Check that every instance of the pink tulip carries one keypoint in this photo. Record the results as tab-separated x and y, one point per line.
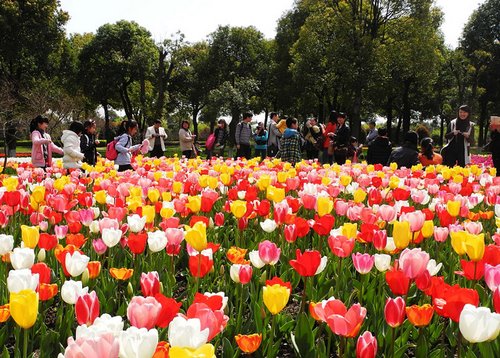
87	308
142	312
215	321
395	311
413	262
102	345
341	207
363	263
107	223
280	212
174	236
366	346
416	220
419	196
99	246
354	213
309	201
150	283
496	300
492	276
346	323
269	253
326	308
290	233
387	213
86	216
474	228
341	246
441	234
60	231
241	273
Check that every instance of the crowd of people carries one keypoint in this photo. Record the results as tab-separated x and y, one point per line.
282	138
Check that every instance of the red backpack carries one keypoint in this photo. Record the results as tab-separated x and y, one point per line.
111	152
210	141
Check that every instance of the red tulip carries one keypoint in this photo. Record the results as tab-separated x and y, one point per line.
341	246
366	346
394	311
374	197
87	308
290	233
150	283
208	199
301	226
200	264
214	321
309	263
43	271
47	241
423	281
219	219
12	198
471	270
398	282
47	291
169	309
264	208
379	239
496	300
450	302
323	225
137	242
215	302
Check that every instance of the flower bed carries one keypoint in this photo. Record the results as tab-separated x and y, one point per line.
202	259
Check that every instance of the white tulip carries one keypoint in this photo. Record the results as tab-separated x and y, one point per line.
382	262
94	227
76	263
111	324
22	258
497	210
322	265
433	268
479	324
157	240
138	343
23	279
71	290
391	245
111	237
268	225
136	223
255	259
186	333
6	244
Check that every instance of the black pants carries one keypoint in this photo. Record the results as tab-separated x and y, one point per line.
122	168
272	150
496	163
157	152
261	153
245	151
187	153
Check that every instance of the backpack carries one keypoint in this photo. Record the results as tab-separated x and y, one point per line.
111	152
210	141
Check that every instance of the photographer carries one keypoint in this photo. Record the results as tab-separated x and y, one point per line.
260	137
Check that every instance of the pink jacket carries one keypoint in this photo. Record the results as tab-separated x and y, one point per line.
37	149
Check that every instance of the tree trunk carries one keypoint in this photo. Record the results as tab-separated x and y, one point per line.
483	120
142	95
107	129
127	106
398	130
406	105
441	130
195	112
160	102
266	115
235	118
389	108
356	112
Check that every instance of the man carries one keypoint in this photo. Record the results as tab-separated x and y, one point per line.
291	143
380	149
406	155
274	136
242	137
156	136
372	133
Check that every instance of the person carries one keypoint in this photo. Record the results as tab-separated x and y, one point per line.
260	137
313	135
372	133
124	145
291	143
156	136
11	138
427	155
380	149
89	142
355	150
71	146
341	139
221	135
493	145
242	137
407	154
328	133
273	144
186	140
460	136
42	145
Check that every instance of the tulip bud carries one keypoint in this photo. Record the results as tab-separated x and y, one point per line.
263	278
130	290
162	290
41	255
85	277
221	270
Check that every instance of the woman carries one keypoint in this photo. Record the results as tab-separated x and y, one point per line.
186	139
494	145
42	145
341	140
313	135
460	136
124	145
89	142
220	134
291	143
260	137
427	155
328	133
71	146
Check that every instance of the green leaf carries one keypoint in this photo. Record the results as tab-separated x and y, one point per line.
303	337
227	348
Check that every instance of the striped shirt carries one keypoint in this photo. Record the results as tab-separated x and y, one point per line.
243	133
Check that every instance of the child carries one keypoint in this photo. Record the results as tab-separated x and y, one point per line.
71	146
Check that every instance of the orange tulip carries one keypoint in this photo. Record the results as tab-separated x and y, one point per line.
419	316
121	273
161	350
76	240
249	343
46	291
94	268
236	255
4	313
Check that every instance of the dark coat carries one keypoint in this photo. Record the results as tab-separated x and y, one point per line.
379	151
404	156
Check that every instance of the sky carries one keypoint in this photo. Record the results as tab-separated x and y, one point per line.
196	19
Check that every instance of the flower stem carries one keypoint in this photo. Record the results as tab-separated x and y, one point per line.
240	310
393	341
25	344
303	304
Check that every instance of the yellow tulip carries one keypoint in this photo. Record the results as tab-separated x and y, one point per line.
205	351
153	195
359	196
203	181
394	181
453	207
493	171
401	234
134	202
458	240
100	196
458	179
225	179
196	236
148	211
326	181
275	298
157	174
497	222
60	183
166	196
282	177
238	208
393	166
428	229
30	235
10	183
194	203
167	212
275	194
135	191
350	230
213	182
24	308
38	194
474	247
177	187
345	180
324	205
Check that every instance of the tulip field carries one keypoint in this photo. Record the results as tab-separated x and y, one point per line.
224	258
